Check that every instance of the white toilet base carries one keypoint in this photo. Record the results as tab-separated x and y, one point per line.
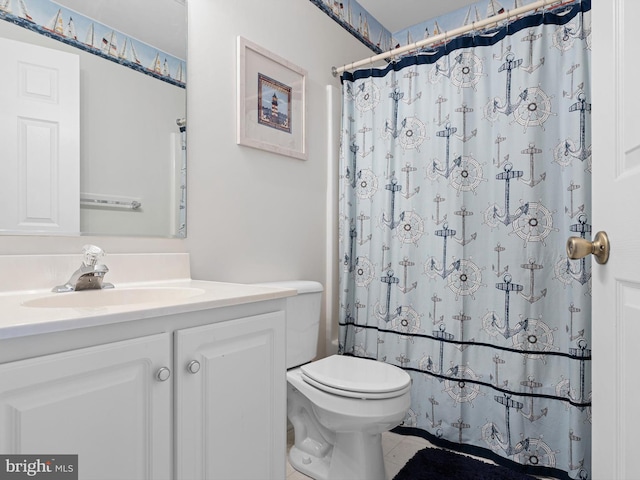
310	465
358	456
337	437
355	456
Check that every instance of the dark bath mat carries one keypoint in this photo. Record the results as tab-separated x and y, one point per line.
436	464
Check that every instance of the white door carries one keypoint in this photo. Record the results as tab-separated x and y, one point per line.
616	201
231	417
40	139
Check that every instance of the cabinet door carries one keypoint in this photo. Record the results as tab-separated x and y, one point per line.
231	413
102	403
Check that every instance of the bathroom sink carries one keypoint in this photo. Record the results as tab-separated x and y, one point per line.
114	297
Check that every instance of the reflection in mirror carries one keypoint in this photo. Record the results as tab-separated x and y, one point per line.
112	161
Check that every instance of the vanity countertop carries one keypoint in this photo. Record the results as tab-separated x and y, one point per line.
147	285
18	320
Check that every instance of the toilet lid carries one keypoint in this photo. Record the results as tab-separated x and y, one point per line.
356	377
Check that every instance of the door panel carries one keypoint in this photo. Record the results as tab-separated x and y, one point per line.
616	194
40	138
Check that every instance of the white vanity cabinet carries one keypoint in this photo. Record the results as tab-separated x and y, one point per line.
194	396
102	403
231	399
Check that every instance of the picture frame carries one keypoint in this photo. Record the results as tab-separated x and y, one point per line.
271	102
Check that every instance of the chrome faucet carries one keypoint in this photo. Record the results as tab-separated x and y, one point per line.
90	275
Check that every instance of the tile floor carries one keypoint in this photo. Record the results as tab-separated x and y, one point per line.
397	449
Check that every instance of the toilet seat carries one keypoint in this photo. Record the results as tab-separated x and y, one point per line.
355	394
356	377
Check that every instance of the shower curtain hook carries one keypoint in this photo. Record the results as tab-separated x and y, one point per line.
545	9
474	34
508	22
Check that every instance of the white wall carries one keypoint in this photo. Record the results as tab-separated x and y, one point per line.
253	215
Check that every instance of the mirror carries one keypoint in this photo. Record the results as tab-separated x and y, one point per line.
132	108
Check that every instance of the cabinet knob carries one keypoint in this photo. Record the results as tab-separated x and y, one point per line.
194	366
163	374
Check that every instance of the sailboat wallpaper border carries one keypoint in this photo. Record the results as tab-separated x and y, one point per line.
365	27
480	10
50	19
358	22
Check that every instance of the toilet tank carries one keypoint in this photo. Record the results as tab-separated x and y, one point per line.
303	320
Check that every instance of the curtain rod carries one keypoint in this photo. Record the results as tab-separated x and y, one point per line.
448	35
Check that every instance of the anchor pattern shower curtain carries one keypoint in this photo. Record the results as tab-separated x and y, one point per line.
464	169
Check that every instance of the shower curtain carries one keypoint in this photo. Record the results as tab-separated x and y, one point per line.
464	169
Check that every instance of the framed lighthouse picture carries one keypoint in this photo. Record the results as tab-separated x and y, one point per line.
271	108
274	103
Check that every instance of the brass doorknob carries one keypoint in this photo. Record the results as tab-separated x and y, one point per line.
579	247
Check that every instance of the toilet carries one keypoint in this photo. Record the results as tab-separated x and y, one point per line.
339	406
